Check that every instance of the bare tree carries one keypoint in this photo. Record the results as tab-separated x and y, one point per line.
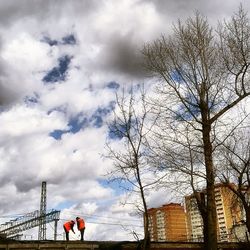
202	75
180	153
132	125
235	168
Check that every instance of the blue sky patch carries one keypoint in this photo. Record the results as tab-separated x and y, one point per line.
31	100
119	186
77	122
70	40
113	85
183	113
57	134
66	40
49	41
65	204
115	131
97	118
176	76
58	73
62	108
81	121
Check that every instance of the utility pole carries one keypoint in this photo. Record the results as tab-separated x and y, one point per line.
55	231
42	224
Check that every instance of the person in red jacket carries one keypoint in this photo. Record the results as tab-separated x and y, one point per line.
69	225
81	226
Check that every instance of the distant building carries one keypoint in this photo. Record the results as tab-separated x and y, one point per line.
229	214
240	232
194	219
168	223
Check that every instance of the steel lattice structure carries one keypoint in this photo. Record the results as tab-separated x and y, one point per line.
28	221
42	224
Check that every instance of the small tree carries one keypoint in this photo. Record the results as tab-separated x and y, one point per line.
202	75
132	125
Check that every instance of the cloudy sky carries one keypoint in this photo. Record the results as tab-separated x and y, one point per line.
61	63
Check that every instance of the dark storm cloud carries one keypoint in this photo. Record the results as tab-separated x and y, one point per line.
122	54
182	8
10	92
214	9
7	93
13	10
177	7
25	185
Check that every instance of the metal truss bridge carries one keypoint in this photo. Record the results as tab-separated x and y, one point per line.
30	220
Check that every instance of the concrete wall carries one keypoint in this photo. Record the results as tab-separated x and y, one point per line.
49	246
77	245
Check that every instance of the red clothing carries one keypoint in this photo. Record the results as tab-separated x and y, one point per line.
80	224
68	226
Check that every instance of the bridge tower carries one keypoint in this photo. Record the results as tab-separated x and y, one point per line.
42	222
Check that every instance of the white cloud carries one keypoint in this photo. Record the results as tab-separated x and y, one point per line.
26	53
22	120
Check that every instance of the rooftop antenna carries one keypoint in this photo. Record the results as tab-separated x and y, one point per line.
42	221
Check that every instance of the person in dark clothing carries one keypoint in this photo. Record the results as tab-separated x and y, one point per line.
81	226
69	225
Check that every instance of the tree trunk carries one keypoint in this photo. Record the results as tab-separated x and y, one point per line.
210	224
205	230
146	240
203	210
247	209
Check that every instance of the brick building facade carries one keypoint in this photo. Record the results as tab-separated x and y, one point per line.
168	223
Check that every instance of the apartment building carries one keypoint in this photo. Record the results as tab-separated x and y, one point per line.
168	223
229	213
194	220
